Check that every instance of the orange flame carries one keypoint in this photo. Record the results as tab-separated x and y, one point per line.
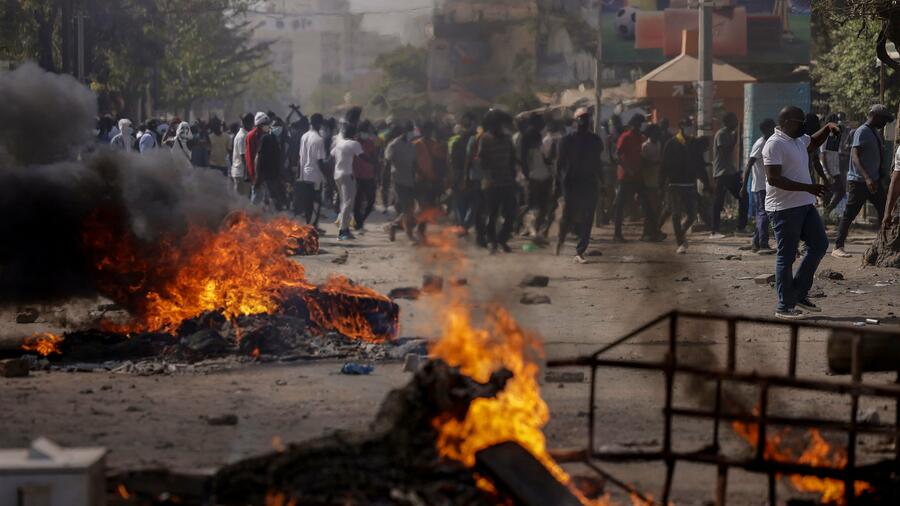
279	499
123	491
44	344
818	453
241	269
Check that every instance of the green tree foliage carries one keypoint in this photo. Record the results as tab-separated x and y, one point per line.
846	75
404	66
169	52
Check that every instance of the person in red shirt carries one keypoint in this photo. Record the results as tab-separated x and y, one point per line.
252	143
630	180
364	171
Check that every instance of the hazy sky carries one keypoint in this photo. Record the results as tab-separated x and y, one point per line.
393	22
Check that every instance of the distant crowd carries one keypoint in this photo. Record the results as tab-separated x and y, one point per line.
494	175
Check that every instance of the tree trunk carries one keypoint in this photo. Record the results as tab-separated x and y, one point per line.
67	47
45	19
885	251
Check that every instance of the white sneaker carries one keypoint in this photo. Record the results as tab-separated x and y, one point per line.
682	250
716	236
580	259
790	314
840	253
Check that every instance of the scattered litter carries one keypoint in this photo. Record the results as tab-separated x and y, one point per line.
531	299
529	247
432	283
27	315
830	274
229	419
406	292
342	259
535	281
14	368
355	369
733	257
764	279
859	324
629	258
858	292
882	284
684	279
872	321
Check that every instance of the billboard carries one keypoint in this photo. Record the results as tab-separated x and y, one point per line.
744	31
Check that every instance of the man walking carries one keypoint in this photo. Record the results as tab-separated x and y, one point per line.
267	184
864	178
345	149
580	172
497	155
400	154
757	170
790	202
725	173
239	172
310	177
682	166
629	149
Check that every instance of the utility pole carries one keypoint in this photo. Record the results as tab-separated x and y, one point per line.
598	70
705	85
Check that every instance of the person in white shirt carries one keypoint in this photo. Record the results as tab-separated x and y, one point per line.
180	149
310	178
123	141
790	202
238	170
344	149
757	170
893	194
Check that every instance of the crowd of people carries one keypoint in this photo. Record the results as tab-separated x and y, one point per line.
495	176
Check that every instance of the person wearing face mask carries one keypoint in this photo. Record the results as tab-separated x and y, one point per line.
261	121
364	170
864	178
267	185
124	140
579	173
180	143
790	203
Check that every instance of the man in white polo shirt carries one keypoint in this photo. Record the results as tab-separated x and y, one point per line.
790	202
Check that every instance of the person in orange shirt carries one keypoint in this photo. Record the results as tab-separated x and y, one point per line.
431	161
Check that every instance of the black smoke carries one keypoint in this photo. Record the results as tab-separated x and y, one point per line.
49	192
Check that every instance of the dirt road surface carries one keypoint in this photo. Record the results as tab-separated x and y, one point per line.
153	421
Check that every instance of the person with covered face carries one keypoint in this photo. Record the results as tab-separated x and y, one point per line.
580	174
124	140
790	203
180	147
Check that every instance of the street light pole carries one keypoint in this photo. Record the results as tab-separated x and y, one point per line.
598	70
705	85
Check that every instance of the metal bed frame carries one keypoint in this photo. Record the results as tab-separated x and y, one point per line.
669	366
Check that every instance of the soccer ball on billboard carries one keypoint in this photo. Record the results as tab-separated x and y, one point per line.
626	19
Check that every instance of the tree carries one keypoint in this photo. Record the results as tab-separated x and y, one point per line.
846	74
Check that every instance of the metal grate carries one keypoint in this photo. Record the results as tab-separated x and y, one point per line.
670	367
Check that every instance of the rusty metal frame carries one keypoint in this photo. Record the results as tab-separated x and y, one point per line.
710	454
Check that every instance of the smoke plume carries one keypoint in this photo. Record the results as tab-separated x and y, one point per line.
47	197
45	116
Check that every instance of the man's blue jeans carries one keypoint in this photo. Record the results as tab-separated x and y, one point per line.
791	226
